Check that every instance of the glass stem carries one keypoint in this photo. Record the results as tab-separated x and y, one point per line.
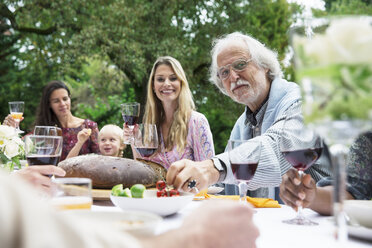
243	192
300	208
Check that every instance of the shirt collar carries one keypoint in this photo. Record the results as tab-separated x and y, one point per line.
256	117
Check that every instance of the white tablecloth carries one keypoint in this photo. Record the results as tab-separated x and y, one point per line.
273	232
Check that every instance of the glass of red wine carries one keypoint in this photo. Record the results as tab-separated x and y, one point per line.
43	149
244	156
130	112
146	140
301	146
48	130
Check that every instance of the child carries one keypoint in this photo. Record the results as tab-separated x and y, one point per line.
110	141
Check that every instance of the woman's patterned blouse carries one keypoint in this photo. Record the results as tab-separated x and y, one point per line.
199	145
70	139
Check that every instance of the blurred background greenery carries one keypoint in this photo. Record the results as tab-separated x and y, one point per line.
104	49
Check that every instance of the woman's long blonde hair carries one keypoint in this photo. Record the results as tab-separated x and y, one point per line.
154	111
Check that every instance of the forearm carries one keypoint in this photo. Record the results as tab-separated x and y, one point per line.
75	150
323	202
135	153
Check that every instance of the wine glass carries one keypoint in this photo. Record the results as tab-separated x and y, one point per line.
16	111
301	146
43	150
130	112
146	140
48	130
244	156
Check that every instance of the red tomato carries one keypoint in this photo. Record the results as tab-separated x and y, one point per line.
161	193
174	192
160	185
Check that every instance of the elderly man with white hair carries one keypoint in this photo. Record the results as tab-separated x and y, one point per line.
250	74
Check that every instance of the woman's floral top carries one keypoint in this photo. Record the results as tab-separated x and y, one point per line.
199	145
359	170
70	139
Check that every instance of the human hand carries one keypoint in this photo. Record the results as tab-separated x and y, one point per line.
223	224
128	133
38	175
181	172
296	191
10	121
84	134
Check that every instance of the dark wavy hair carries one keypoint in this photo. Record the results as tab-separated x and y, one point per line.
45	115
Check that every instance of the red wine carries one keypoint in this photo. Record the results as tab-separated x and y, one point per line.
130	119
244	171
145	152
303	159
42	160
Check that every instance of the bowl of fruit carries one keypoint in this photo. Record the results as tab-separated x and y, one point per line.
163	200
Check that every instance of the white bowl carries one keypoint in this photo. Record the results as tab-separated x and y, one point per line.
360	211
134	222
151	203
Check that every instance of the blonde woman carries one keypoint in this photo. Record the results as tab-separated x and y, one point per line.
183	132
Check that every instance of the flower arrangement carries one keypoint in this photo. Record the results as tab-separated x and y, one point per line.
11	148
334	65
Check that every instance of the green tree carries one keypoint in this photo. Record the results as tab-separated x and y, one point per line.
60	39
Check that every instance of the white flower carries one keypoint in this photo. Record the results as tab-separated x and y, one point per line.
345	41
7	132
11	149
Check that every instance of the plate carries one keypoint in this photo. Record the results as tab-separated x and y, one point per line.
360	211
360	232
134	222
151	203
214	190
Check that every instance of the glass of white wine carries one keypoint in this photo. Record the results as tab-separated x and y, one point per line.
16	111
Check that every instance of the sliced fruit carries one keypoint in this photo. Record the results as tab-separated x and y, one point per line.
115	191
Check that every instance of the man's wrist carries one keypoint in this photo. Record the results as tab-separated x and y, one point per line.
220	166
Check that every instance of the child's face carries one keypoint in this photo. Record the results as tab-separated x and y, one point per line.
109	144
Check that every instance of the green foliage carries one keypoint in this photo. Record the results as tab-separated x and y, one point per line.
105	49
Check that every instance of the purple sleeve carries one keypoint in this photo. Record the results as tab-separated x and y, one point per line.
203	146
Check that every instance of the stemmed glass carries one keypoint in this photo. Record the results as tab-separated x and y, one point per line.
48	130
145	139
43	150
301	146
244	156
130	112
16	111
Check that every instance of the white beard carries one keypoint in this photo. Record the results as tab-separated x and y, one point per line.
239	82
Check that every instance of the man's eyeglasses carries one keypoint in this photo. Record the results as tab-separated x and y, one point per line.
238	66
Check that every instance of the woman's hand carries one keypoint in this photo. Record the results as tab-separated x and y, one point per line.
83	135
10	121
128	132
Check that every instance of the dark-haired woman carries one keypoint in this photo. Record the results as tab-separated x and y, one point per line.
80	136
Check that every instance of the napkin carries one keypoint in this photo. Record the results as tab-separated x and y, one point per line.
256	202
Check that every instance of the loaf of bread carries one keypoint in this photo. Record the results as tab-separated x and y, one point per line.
106	171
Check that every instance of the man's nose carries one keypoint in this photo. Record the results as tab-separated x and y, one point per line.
234	76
